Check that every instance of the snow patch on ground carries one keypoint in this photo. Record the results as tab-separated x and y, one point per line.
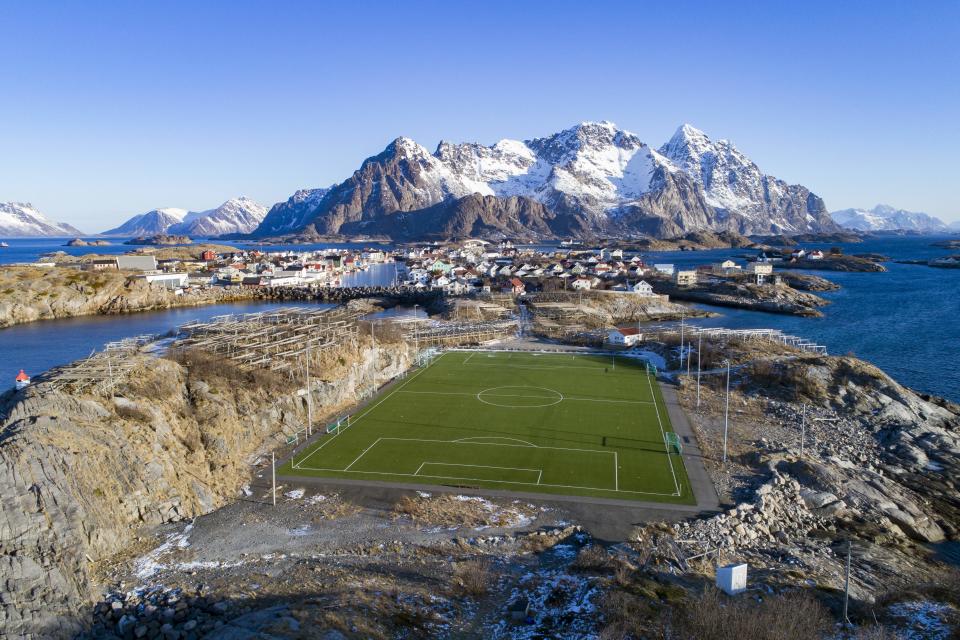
561	606
296	494
922	620
149	564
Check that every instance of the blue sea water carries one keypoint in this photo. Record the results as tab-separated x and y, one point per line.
906	321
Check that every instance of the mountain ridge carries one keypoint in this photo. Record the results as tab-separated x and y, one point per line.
587	180
23	220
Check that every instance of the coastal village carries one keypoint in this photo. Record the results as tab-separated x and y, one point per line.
472	266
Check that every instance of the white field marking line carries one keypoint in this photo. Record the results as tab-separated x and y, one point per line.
492	444
663	436
468	358
554	486
477	466
364	414
506	395
362	453
536	367
467	440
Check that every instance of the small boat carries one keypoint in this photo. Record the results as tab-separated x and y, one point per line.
23	380
3	244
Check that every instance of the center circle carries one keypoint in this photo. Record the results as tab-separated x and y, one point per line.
520	397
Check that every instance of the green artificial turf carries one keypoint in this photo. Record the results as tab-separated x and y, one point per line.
588	425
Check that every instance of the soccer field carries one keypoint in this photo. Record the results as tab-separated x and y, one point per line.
574	424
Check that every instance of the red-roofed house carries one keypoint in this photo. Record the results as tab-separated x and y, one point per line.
515	286
625	336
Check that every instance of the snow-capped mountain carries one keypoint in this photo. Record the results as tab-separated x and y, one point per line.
886	218
21	220
237	215
735	186
291	215
151	223
590	179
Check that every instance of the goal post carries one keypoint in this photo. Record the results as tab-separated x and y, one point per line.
672	440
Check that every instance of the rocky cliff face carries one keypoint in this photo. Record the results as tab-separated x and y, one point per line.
43	294
79	475
590	179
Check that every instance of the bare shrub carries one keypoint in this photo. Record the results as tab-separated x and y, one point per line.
211	368
148	383
784	380
792	616
592	558
875	632
473	577
133	412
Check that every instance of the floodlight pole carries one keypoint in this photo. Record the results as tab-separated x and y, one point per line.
681	337
726	415
699	349
689	356
273	477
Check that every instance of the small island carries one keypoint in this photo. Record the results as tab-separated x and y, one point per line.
947	244
80	242
159	239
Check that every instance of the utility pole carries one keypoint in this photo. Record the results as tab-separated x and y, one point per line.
309	395
726	415
416	333
273	477
803	429
699	350
846	587
689	356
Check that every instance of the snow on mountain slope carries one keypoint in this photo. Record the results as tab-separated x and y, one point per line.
735	185
22	220
886	218
590	178
294	213
151	223
237	215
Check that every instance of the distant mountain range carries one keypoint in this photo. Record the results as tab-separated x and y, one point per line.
237	215
886	218
588	180
151	223
21	220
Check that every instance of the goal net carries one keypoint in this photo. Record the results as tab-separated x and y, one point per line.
673	442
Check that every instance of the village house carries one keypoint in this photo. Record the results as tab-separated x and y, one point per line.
624	336
725	268
686	278
583	283
101	265
515	286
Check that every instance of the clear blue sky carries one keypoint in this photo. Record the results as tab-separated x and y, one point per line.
111	109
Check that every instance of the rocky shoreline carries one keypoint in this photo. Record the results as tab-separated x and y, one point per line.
770	299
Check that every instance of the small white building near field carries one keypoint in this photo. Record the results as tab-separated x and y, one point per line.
624	336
